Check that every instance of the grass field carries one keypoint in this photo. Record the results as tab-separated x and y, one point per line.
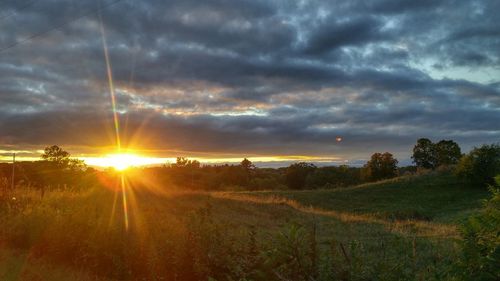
438	198
403	227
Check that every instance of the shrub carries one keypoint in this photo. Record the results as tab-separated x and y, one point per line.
294	255
481	244
333	177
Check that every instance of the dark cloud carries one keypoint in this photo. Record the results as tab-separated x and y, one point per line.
251	77
402	6
333	35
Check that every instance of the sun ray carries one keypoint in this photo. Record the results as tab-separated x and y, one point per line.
111	85
113	209
124	201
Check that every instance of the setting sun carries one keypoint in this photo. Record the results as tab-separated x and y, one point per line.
121	161
249	140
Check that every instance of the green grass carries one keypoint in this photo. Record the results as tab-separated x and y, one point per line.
438	197
84	235
16	265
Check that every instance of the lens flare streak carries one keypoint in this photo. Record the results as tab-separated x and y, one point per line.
113	209
119	166
124	201
111	85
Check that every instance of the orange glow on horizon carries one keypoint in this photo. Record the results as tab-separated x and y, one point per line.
133	158
122	161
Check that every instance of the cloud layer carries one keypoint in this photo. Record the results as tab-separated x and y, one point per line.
251	77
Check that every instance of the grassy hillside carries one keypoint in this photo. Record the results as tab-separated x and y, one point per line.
362	231
436	197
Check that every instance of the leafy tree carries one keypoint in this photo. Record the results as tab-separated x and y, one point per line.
58	170
447	152
57	155
296	174
480	165
381	166
60	159
424	154
430	155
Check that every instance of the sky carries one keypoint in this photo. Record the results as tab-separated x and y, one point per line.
273	80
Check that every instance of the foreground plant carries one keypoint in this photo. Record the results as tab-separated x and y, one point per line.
481	243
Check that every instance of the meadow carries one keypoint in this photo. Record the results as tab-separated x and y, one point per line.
399	229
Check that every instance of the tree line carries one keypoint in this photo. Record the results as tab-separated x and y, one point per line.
57	169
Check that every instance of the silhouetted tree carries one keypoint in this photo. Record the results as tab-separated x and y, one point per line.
430	155
481	165
447	152
185	172
247	165
57	155
182	162
381	166
296	174
424	154
248	168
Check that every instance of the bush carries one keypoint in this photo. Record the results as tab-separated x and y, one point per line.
333	177
481	244
294	255
480	165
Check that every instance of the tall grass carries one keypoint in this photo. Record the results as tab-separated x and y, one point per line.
219	236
